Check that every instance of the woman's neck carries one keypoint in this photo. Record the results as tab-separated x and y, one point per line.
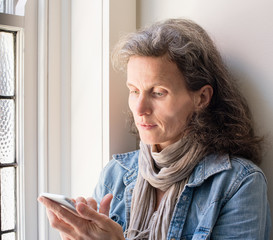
159	196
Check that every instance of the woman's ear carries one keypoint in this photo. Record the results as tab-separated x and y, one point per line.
203	97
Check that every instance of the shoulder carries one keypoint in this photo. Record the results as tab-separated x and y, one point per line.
225	193
227	176
223	165
244	168
233	182
243	171
244	165
246	177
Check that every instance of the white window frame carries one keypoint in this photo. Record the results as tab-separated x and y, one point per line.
48	121
50	90
27	100
9	23
71	168
53	104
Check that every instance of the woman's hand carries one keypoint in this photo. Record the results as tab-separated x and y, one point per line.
88	224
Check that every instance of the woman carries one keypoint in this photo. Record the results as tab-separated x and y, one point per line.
194	176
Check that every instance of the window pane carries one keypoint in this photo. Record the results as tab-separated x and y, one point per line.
1	6
7	75
8	236
7	6
7	131
7	198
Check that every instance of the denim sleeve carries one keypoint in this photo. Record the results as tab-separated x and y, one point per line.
245	215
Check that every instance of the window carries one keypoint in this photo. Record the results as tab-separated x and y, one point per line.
7	6
65	125
10	137
16	7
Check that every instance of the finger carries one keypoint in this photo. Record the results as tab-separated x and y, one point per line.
105	204
90	214
91	202
61	213
64	228
81	199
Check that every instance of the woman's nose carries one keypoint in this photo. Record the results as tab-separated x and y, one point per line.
143	106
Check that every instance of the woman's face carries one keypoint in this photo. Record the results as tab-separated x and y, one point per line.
158	99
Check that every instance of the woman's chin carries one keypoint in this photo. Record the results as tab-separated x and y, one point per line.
149	141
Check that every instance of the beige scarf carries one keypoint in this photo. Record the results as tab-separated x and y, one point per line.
168	171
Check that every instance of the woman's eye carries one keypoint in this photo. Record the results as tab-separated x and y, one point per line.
158	94
134	92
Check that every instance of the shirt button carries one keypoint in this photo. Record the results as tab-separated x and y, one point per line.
184	198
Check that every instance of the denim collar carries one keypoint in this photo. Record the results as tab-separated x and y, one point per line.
128	161
209	165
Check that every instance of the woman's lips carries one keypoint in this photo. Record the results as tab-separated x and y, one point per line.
146	126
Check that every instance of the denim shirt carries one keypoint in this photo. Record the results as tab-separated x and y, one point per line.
225	198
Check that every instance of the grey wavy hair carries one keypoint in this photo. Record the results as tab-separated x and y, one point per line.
226	125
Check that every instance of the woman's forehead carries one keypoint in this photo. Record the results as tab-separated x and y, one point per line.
151	72
159	68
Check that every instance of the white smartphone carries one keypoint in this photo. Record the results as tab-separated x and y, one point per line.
62	200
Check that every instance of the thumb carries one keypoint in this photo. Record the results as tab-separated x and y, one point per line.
105	204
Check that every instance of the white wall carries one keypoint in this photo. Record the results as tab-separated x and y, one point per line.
243	31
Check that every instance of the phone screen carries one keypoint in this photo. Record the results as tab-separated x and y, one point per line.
62	200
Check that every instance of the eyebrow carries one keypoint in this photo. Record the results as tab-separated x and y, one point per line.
128	84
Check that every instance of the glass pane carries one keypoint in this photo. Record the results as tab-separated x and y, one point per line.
9	236
7	198
1	6
7	6
16	7
7	131
7	76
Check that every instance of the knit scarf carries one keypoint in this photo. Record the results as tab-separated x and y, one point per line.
168	171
